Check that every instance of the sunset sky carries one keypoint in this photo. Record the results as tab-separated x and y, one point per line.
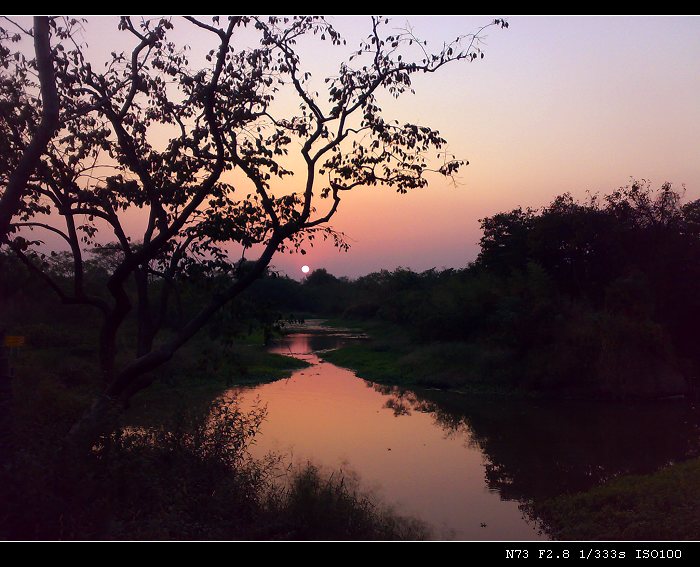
558	104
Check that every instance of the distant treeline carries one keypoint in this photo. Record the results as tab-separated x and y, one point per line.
595	295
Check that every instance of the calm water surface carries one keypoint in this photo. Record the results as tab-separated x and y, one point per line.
464	466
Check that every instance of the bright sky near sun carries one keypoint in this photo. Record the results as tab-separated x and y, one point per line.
558	104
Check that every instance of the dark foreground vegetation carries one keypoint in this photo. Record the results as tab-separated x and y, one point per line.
177	465
660	506
193	479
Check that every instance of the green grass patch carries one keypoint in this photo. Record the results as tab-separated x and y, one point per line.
390	357
660	506
380	331
371	362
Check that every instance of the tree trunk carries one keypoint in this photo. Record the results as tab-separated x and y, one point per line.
109	330
11	198
145	329
100	419
135	376
5	403
108	350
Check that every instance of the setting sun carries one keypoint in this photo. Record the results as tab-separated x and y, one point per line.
305	269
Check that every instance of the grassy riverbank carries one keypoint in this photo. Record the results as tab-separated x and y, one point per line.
389	356
392	355
203	371
57	375
664	506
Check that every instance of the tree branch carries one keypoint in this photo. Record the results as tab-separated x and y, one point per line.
16	186
45	226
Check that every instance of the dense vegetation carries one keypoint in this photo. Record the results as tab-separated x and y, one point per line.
579	298
594	297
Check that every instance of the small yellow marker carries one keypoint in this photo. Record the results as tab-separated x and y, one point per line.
15	341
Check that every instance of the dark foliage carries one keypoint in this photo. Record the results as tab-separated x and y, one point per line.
593	296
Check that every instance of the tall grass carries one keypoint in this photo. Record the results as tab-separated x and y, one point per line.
195	479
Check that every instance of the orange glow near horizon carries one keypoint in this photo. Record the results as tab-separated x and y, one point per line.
568	104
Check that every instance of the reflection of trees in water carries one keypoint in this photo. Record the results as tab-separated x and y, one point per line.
399	407
402	402
536	448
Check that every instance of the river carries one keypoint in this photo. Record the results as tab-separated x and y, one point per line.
466	466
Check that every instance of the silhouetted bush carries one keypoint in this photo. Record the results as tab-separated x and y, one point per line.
194	479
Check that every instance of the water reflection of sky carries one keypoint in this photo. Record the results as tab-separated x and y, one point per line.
459	462
327	414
